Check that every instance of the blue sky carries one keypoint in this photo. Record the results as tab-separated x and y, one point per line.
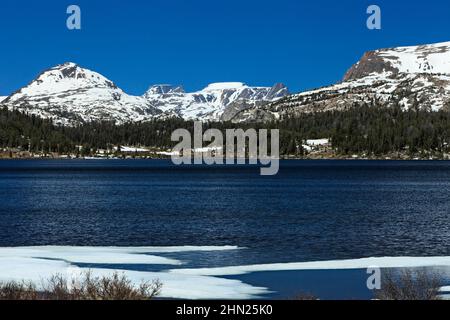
136	43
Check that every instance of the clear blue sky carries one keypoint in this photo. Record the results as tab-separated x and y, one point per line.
136	43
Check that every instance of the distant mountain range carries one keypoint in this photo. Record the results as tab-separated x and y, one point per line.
412	77
71	94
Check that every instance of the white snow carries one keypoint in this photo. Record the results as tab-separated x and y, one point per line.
105	255
224	86
168	153
39	263
82	94
132	149
384	262
206	149
210	102
431	58
3	98
317	142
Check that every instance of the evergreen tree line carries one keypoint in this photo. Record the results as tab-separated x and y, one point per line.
365	129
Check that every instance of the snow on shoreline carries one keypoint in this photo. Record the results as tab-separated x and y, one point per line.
39	263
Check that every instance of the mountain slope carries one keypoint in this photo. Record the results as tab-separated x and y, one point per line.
218	101
71	94
430	59
412	77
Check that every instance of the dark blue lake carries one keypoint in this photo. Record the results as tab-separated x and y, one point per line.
311	210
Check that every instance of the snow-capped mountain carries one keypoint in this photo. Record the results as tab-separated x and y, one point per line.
2	98
71	94
412	77
429	59
218	101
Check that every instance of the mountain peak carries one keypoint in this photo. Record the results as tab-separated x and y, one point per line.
70	76
159	89
67	64
72	94
430	59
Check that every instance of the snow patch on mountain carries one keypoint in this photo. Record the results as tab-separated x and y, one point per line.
433	58
430	59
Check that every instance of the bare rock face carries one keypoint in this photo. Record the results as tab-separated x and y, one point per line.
369	64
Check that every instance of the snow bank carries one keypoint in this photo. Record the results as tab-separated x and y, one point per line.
174	285
40	263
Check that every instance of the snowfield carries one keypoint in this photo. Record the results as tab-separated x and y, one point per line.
431	58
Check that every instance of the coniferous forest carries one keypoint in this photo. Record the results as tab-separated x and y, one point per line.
365	130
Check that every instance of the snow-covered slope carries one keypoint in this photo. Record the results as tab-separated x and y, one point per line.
430	59
2	98
215	102
71	94
411	77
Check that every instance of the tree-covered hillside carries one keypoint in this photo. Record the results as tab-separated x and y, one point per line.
370	130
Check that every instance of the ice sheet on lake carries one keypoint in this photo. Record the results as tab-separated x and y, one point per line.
385	262
105	255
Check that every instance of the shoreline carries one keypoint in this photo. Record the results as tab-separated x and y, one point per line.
281	159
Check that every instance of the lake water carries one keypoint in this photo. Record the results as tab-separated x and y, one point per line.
310	211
